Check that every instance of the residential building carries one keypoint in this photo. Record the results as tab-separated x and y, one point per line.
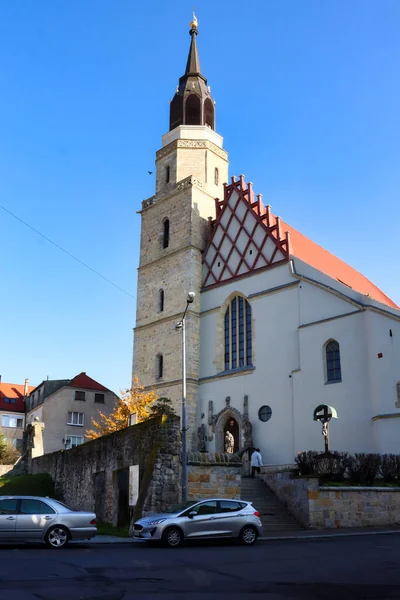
67	407
12	411
278	326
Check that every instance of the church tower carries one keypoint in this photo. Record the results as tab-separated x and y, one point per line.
191	168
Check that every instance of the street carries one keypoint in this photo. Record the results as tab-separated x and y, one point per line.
343	568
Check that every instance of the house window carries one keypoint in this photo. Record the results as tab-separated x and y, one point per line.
216	176
99	398
9	400
72	441
161	298
76	418
166	234
333	368
167	174
80	396
160	366
238	334
11	421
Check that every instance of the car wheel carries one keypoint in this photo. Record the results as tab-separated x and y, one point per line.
248	535
172	537
57	536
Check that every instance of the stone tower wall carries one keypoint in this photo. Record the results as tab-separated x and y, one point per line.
187	200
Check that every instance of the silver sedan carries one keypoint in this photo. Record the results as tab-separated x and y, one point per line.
211	518
33	518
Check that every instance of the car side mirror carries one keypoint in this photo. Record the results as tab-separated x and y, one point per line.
192	514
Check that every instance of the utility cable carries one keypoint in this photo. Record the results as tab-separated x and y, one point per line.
66	252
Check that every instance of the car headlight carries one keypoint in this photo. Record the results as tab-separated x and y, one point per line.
156	522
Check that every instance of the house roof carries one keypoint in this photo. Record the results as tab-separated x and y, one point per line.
15	392
84	381
269	241
311	253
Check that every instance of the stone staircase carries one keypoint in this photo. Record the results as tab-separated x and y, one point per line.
274	516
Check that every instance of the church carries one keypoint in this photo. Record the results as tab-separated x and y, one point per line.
278	325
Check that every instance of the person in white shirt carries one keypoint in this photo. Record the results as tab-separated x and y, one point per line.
256	462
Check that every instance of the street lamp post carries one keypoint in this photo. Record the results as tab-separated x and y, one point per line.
181	326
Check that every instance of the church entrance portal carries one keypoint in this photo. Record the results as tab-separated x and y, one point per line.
231	436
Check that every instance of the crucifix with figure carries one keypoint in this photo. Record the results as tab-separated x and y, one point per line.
324	413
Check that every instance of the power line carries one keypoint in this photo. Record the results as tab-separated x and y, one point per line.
66	252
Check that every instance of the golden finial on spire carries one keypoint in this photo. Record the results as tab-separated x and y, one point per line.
194	23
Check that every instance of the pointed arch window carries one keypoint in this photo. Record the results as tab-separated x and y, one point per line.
332	357
238	334
166	233
161	300
160	366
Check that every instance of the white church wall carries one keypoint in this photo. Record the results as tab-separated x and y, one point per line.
352	431
253	284
317	303
386	434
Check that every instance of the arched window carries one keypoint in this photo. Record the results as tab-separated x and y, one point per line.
160	366
238	342
192	110
216	176
167	174
166	234
209	113
332	355
161	299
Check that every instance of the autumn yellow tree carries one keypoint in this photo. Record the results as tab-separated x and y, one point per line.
135	400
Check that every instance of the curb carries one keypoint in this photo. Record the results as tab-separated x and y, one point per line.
324	536
277	538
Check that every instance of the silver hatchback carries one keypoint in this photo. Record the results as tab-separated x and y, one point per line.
33	518
211	518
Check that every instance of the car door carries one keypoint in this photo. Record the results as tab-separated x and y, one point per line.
8	517
231	515
33	519
206	522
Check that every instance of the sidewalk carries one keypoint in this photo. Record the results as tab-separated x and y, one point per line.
306	534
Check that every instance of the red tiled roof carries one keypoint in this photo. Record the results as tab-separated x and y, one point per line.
322	260
13	391
83	381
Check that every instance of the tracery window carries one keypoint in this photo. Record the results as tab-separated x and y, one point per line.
238	334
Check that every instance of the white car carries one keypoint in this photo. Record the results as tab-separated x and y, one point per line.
211	518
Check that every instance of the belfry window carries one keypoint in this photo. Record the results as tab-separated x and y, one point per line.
166	234
160	366
238	334
161	300
332	356
167	174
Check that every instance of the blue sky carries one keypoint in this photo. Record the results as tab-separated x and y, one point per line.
308	97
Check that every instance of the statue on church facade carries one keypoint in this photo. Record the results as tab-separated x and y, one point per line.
229	442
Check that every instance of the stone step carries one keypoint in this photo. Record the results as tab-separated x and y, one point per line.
273	514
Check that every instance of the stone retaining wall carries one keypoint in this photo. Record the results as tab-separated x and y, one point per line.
94	476
323	507
213	476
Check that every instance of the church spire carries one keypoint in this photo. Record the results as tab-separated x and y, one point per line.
192	103
193	62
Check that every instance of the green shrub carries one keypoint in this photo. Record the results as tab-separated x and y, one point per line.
363	468
389	468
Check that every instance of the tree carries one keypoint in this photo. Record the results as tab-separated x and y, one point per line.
135	400
8	452
162	406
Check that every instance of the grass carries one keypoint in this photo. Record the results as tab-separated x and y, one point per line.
27	485
107	529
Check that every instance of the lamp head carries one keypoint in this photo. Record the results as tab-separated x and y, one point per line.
190	297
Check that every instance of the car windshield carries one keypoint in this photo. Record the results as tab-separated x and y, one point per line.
176	508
